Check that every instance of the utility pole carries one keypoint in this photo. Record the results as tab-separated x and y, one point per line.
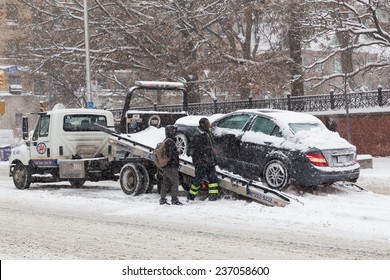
87	61
346	100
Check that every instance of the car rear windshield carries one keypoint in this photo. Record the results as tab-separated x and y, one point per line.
296	127
83	122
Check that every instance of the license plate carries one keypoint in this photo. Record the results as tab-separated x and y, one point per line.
342	159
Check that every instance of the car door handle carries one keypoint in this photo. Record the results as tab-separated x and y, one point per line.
268	143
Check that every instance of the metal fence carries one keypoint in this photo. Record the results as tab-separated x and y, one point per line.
308	103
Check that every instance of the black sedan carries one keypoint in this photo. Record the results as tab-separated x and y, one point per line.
279	147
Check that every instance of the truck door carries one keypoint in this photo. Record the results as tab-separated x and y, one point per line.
40	144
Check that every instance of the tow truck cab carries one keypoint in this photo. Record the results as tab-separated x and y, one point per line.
65	145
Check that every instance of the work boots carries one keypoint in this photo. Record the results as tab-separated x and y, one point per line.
164	201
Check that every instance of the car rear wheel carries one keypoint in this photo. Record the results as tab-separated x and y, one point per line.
182	143
276	174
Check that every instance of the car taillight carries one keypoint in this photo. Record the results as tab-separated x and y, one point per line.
317	159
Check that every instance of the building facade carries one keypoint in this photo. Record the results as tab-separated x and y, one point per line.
17	102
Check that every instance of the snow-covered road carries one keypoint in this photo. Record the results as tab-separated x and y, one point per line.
99	221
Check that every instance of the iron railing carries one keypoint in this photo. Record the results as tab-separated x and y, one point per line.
307	103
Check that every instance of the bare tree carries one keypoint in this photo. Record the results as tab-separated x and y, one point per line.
296	13
359	26
177	40
243	46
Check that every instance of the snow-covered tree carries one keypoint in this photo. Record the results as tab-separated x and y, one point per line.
247	47
349	27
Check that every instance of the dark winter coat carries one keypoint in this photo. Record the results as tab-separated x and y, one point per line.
172	153
331	124
201	148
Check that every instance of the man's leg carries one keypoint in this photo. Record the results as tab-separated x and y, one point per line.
163	191
213	185
200	173
174	181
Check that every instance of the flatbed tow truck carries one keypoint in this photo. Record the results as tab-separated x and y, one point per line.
62	150
79	145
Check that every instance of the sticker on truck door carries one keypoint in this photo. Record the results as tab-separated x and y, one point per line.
41	148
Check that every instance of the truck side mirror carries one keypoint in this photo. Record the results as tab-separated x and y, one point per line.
25	128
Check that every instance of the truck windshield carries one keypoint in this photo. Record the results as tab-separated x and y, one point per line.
83	122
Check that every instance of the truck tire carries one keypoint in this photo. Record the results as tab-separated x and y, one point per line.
77	183
22	176
185	181
130	179
144	178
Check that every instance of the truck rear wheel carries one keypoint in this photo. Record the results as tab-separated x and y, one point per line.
22	176
130	179
144	178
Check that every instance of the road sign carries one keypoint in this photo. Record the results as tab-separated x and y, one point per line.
11	69
90	104
93	85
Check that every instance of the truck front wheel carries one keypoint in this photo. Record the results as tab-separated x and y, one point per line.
22	176
76	183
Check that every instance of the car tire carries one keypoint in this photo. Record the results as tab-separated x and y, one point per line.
182	143
22	176
275	174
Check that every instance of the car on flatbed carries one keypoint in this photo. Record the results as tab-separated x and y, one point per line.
281	148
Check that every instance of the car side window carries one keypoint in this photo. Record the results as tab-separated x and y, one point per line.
234	122
266	126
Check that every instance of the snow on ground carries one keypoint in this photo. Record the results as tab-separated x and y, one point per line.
343	214
332	216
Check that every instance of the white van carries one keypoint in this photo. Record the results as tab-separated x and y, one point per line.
7	137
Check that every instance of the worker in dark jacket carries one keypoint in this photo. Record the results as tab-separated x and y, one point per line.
203	158
171	170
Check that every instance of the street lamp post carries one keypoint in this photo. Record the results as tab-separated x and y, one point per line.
87	61
346	98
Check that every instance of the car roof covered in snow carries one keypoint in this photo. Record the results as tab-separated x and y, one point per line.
283	115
